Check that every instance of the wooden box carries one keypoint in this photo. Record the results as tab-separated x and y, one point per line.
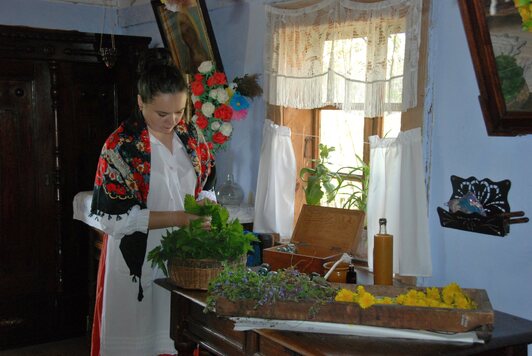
480	320
321	234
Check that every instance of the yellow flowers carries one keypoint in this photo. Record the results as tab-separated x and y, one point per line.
525	10
451	296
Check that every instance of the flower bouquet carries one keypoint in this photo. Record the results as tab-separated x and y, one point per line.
217	103
195	255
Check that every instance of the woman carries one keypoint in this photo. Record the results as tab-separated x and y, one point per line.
146	168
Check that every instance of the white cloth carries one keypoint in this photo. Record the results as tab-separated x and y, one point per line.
351	54
276	183
397	192
130	327
243	324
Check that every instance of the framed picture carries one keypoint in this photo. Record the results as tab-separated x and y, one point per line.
187	34
502	56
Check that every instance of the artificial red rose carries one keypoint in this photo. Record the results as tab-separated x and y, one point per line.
217	79
219	138
197	105
223	112
197	88
198	77
202	122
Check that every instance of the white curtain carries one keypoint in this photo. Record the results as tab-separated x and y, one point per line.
397	192
354	55
276	184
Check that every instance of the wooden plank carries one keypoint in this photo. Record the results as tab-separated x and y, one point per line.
391	316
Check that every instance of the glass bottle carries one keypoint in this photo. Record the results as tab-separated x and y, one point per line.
230	192
351	276
383	256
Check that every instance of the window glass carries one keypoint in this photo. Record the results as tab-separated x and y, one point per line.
344	130
391	124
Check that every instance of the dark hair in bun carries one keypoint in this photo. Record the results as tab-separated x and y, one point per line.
158	74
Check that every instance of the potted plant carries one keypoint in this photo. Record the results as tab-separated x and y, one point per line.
358	197
320	180
195	255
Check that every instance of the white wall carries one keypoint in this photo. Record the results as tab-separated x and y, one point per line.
457	143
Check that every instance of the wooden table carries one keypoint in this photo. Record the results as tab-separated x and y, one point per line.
190	326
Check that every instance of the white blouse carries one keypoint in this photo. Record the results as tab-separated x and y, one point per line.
141	328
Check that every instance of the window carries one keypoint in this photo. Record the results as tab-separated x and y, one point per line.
347	131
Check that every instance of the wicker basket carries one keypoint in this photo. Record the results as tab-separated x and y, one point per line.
193	273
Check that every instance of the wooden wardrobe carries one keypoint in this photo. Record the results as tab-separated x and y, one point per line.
58	104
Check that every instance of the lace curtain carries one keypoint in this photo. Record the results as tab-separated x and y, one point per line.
353	55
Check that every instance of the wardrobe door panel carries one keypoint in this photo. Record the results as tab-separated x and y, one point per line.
27	224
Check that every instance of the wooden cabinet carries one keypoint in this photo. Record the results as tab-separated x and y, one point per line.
58	103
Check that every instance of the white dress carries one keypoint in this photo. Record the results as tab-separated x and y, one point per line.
130	327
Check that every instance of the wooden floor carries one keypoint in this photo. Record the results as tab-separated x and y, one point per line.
77	346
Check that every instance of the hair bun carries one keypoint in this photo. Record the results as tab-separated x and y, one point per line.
154	57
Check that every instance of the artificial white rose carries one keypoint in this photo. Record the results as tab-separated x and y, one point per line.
205	67
215	126
194	98
226	129
194	118
221	95
207	109
214	94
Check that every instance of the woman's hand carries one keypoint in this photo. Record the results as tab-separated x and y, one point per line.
205	201
184	219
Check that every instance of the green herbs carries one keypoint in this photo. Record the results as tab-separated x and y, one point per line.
319	178
226	241
357	197
285	285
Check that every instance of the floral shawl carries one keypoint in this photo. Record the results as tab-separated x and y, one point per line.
123	180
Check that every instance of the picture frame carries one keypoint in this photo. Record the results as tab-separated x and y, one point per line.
485	23
188	35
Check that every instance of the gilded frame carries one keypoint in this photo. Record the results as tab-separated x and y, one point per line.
188	35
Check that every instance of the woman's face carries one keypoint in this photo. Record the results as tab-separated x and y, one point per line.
164	112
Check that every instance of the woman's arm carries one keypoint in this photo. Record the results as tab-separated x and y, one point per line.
143	219
162	219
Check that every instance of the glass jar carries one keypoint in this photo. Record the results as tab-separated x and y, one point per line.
230	192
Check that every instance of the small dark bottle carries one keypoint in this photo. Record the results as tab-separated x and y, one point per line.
351	275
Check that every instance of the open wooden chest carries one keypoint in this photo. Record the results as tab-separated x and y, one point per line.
321	234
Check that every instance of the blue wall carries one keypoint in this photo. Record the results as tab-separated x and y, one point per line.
457	143
239	32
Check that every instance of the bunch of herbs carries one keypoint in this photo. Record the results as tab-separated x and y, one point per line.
239	283
225	241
